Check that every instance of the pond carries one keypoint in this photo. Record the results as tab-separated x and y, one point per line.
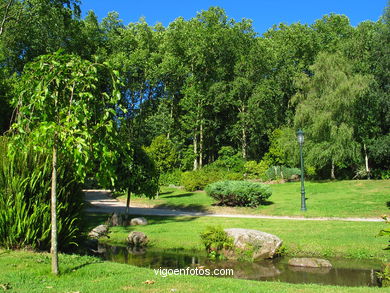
345	272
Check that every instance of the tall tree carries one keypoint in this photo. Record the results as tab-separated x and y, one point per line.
61	106
324	104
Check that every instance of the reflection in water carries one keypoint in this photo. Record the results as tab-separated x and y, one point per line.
343	272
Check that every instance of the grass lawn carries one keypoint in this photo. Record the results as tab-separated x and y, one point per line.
350	198
29	272
315	238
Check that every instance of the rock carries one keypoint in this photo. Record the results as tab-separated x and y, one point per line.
309	262
138	221
116	220
264	245
319	271
137	239
99	231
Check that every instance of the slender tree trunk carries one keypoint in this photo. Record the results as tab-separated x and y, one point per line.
332	176
171	116
244	136
195	151
366	161
244	144
128	201
201	141
54	250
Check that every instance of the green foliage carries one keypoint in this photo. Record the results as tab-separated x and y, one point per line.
69	103
216	240
254	170
324	98
281	172
384	275
199	179
386	232
239	193
25	183
135	171
163	153
171	178
229	159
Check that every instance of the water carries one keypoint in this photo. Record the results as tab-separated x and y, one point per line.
345	272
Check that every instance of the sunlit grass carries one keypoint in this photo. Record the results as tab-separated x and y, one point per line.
308	238
350	198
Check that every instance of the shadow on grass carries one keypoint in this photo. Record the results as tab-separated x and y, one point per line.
180	195
92	220
183	207
166	192
73	269
388	204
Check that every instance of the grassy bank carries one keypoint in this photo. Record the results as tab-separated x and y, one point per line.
30	272
350	198
316	238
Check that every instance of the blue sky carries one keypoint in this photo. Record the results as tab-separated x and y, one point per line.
264	13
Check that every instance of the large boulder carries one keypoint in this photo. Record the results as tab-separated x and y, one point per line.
264	245
309	262
137	239
99	231
138	221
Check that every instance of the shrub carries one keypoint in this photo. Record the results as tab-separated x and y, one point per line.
169	178
199	179
25	182
229	159
256	170
281	172
239	193
216	240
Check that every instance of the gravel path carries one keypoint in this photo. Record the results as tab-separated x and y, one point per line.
100	201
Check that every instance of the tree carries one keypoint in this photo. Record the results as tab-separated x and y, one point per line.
163	152
62	106
136	173
323	111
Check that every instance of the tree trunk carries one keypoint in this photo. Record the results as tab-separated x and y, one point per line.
244	139
366	161
195	151
54	250
201	145
128	201
332	171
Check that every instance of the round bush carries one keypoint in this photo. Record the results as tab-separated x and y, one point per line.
239	193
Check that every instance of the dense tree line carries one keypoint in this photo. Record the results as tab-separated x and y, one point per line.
211	82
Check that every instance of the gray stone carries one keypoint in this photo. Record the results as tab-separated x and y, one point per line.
137	239
310	262
116	220
99	231
264	245
138	221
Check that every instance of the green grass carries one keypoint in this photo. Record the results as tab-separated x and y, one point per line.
308	238
352	198
29	272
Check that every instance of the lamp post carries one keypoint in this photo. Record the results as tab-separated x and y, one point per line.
303	198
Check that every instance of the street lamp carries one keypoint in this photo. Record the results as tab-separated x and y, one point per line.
303	198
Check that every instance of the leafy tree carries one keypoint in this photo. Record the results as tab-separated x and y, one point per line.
323	111
163	152
62	107
136	173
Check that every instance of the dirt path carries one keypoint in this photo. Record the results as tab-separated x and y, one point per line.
100	202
